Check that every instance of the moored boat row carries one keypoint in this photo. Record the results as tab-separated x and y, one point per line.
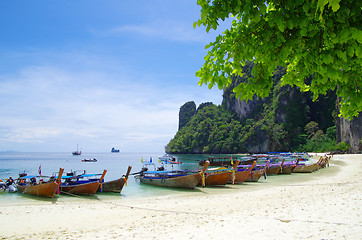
82	183
269	164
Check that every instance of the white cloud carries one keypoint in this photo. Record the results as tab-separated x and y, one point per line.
44	104
169	30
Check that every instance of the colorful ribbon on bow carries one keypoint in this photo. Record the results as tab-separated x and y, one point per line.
125	181
202	179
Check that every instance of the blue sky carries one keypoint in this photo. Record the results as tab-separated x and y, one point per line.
98	73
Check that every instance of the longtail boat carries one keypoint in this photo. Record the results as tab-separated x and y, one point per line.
303	168
287	167
306	168
257	172
255	175
241	173
35	185
324	161
172	179
273	169
218	176
85	184
115	185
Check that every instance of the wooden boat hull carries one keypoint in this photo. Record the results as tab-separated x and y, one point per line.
40	190
306	168
286	169
188	181
216	179
81	189
112	186
272	170
115	185
240	176
255	175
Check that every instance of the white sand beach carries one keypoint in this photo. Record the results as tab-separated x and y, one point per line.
321	205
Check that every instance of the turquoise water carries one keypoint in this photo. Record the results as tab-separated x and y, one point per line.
11	164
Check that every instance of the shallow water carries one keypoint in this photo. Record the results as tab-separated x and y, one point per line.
13	163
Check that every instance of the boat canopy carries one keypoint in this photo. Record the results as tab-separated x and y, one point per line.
162	172
217	169
80	176
90	175
33	176
66	177
28	177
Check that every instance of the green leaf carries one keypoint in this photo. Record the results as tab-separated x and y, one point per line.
280	24
350	51
290	24
335	5
344	35
327	59
262	8
358	52
357	34
303	32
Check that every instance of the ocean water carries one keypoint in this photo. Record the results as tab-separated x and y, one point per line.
13	163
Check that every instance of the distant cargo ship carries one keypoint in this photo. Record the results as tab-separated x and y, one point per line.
115	150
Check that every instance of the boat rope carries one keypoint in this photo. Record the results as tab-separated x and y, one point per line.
314	221
209	214
71	194
158	210
321	184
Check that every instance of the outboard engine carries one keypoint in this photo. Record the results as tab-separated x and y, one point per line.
162	168
23	174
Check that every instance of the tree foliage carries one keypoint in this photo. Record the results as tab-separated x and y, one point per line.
318	39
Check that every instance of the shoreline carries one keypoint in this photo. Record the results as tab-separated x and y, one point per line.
320	205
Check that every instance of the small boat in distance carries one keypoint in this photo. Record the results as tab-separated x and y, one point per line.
75	153
89	160
167	158
114	150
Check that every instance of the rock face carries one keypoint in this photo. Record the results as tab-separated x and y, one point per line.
350	132
242	108
187	111
251	110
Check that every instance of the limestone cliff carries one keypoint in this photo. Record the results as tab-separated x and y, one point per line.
350	132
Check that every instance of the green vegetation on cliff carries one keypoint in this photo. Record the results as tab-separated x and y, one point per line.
287	120
213	129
